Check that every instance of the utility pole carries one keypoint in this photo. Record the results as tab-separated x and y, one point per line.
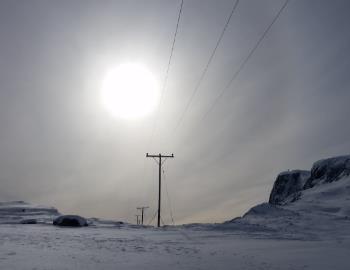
160	163
137	219
142	208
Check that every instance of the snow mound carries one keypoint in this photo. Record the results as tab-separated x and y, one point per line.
70	221
20	212
97	222
287	186
329	199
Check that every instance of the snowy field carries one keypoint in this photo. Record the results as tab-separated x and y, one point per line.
48	247
306	225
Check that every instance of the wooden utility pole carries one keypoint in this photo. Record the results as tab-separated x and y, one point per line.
137	219
142	208
160	163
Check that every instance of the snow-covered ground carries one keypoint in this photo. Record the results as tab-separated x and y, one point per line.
306	225
49	247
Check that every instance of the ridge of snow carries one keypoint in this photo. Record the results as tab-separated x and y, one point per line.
16	212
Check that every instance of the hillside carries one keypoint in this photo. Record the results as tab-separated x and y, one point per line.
305	204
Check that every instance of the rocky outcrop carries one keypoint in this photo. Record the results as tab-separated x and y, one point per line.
303	204
328	170
70	221
288	186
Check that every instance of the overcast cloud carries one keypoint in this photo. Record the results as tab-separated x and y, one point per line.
58	146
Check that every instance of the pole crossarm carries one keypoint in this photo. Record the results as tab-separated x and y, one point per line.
142	207
159	155
160	163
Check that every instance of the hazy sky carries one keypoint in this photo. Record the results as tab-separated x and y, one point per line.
59	146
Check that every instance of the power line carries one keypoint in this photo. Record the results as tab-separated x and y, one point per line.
166	74
164	83
162	221
206	67
169	202
235	75
155	213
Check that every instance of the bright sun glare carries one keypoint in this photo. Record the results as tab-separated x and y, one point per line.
129	91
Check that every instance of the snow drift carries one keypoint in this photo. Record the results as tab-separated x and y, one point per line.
19	212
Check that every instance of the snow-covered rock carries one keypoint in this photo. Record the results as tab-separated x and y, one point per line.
320	209
70	221
328	170
287	186
17	212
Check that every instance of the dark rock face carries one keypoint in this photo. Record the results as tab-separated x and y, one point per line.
70	221
328	170
288	186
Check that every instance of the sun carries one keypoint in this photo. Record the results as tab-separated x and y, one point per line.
129	90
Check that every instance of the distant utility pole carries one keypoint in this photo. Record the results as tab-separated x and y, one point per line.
137	219
160	163
142	208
